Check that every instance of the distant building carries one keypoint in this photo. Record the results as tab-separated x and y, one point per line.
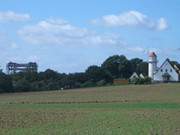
13	68
135	76
142	76
167	72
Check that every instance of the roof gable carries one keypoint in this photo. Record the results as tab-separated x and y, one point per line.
134	75
175	67
141	76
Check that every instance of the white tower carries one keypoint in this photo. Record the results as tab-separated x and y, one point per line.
152	65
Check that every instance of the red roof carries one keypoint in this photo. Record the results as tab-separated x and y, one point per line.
152	54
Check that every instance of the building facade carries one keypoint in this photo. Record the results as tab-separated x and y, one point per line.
13	68
167	72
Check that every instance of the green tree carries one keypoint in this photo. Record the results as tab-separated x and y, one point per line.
94	73
48	74
118	66
125	68
143	68
135	63
22	85
5	83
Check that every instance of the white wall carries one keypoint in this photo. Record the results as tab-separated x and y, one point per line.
152	67
159	73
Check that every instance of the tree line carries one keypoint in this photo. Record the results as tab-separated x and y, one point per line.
112	68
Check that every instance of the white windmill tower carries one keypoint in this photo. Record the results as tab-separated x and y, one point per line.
152	67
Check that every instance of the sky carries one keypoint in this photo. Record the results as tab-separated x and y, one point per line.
70	35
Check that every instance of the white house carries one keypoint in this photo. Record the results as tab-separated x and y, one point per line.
136	76
167	72
142	76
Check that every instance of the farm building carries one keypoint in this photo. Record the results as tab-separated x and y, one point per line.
167	72
135	76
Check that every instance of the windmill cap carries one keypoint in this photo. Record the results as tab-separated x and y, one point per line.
152	54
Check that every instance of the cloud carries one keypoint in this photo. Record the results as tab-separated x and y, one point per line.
61	32
132	19
137	49
162	24
9	16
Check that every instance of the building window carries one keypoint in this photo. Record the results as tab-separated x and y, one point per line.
161	70
171	70
166	70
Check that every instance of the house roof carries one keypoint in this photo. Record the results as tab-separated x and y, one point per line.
174	66
134	75
141	75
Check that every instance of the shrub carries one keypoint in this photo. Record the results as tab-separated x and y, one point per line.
101	83
145	80
88	84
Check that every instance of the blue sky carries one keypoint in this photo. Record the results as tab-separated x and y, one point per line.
70	35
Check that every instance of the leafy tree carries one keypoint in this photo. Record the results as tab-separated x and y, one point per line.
112	65
143	68
5	83
118	66
135	63
125	69
94	73
22	85
48	74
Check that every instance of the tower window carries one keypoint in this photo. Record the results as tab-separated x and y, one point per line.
161	70
170	70
166	70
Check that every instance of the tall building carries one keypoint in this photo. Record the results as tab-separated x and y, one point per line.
152	67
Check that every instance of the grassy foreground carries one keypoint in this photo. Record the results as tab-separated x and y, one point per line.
116	110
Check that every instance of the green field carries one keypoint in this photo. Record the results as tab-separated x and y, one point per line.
114	110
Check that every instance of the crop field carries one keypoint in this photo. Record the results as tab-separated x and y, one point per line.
113	110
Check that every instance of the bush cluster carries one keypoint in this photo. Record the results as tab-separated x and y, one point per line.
145	80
